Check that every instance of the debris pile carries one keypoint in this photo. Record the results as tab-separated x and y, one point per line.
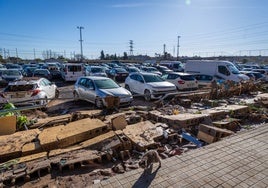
84	138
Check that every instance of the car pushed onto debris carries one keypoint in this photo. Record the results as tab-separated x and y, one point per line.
152	86
95	89
183	81
31	91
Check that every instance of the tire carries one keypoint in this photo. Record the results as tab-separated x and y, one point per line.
57	93
127	88
76	96
44	104
99	103
147	95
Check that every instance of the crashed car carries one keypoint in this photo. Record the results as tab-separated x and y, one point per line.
34	91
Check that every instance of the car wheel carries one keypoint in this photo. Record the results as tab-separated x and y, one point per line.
99	103
44	103
147	95
57	93
76	96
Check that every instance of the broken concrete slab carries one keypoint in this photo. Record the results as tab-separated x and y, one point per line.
178	121
64	119
31	148
80	130
231	124
215	114
103	142
48	137
211	134
119	122
234	109
11	145
143	134
8	125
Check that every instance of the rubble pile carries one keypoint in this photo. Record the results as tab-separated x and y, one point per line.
84	138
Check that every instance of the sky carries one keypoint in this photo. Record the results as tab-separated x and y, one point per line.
206	27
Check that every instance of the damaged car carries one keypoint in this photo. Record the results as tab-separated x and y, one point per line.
33	91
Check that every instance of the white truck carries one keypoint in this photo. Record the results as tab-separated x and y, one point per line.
219	69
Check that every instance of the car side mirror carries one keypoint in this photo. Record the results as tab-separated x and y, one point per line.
141	81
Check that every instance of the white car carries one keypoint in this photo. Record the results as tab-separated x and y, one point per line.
26	92
150	85
95	71
183	81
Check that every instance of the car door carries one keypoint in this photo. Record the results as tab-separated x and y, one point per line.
89	93
139	84
48	88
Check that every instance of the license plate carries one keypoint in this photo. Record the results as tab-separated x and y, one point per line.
123	74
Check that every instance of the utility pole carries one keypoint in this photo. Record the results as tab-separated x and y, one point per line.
131	47
34	53
81	46
178	47
164	49
16	52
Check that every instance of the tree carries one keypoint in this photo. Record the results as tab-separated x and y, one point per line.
102	56
125	56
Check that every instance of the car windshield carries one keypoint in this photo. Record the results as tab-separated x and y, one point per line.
151	69
233	69
97	69
22	87
11	73
106	84
41	72
120	70
152	78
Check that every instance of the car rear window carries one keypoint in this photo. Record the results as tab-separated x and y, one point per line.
24	87
74	68
188	77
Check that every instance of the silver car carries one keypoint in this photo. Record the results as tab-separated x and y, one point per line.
95	89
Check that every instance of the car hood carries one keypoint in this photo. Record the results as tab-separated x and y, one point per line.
161	85
119	92
243	77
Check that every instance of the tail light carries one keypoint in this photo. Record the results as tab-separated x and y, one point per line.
181	82
2	95
35	92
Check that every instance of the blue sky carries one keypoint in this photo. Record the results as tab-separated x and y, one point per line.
206	27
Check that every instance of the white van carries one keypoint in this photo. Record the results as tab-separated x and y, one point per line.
176	66
72	71
216	68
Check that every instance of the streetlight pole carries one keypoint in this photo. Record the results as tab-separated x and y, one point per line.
178	47
81	46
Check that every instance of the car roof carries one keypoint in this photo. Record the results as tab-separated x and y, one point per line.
143	73
180	73
95	77
32	80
